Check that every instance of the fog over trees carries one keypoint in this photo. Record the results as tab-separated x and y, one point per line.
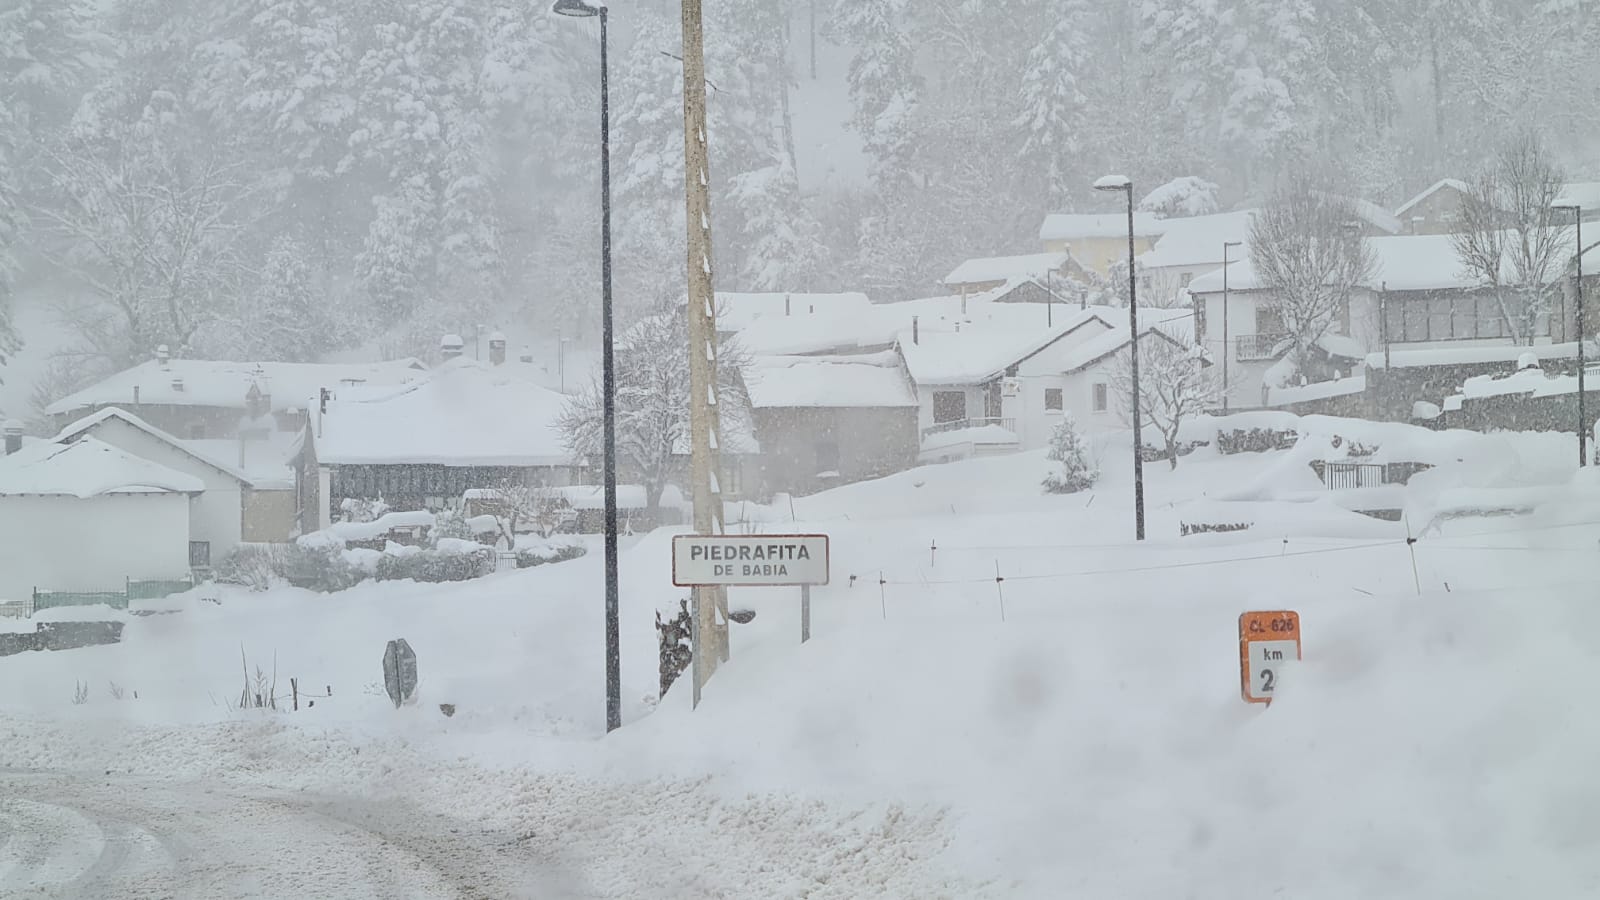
281	178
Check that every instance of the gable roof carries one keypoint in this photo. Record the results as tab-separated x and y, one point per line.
984	350
198	382
820	382
1453	184
463	413
1072	226
1101	346
1197	240
85	468
737	311
1006	268
88	423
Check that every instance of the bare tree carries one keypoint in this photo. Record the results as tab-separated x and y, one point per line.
652	391
1307	252
1175	384
155	236
1507	235
520	503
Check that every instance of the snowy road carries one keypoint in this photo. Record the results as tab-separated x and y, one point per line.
92	837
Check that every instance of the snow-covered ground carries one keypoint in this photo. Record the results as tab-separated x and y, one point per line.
1074	730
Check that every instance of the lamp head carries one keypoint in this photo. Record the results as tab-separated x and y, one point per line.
575	8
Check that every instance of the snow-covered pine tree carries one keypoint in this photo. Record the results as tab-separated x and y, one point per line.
783	250
1053	105
1073	471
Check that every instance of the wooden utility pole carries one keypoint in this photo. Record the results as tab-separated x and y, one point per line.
710	614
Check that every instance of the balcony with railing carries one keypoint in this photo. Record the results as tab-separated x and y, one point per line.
1255	347
964	424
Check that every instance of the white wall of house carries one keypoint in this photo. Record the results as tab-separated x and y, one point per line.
217	516
324	497
71	544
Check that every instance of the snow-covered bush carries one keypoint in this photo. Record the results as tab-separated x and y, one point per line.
1073	471
528	557
449	524
437	566
1186	196
1256	440
357	510
312	566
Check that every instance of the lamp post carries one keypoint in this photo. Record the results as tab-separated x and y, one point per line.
1124	184
1583	417
1226	350
583	10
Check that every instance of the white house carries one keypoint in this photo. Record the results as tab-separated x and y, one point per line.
1001	384
87	516
466	425
217	522
1419	297
1193	246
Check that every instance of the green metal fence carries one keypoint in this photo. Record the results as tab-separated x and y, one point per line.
154	589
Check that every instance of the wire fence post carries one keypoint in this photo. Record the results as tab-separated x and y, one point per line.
883	602
999	589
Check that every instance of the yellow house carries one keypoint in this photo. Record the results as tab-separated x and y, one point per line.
1097	241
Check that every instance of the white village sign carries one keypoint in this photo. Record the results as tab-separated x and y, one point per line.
753	560
765	560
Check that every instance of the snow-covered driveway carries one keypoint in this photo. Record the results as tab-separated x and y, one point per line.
112	836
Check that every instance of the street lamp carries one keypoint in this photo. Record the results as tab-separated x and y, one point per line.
1583	418
1124	184
1226	350
583	10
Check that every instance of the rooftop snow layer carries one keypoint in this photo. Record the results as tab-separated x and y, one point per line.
983	349
1409	262
87	424
194	382
738	311
464	413
1197	240
86	468
1441	184
799	381
1072	226
879	324
1005	268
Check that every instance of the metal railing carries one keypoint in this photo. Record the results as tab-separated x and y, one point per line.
1347	475
1249	347
962	424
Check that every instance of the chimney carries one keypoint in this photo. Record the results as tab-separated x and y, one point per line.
177	384
527	354
13	430
915	332
136	395
497	349
323	402
451	346
163	355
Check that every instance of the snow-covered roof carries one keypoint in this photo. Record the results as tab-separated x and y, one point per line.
463	413
1101	346
1369	212
984	349
1197	240
1321	390
194	382
1471	355
1406	262
1583	193
878	324
804	381
1454	184
266	462
1534	382
1071	226
87	424
88	467
1005	268
738	311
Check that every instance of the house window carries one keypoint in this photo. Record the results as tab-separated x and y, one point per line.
1052	399
827	457
1269	320
949	406
1100	398
199	554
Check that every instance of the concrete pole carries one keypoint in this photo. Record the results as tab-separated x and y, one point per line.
710	612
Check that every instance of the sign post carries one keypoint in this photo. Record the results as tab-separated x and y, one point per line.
753	560
1269	643
399	671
